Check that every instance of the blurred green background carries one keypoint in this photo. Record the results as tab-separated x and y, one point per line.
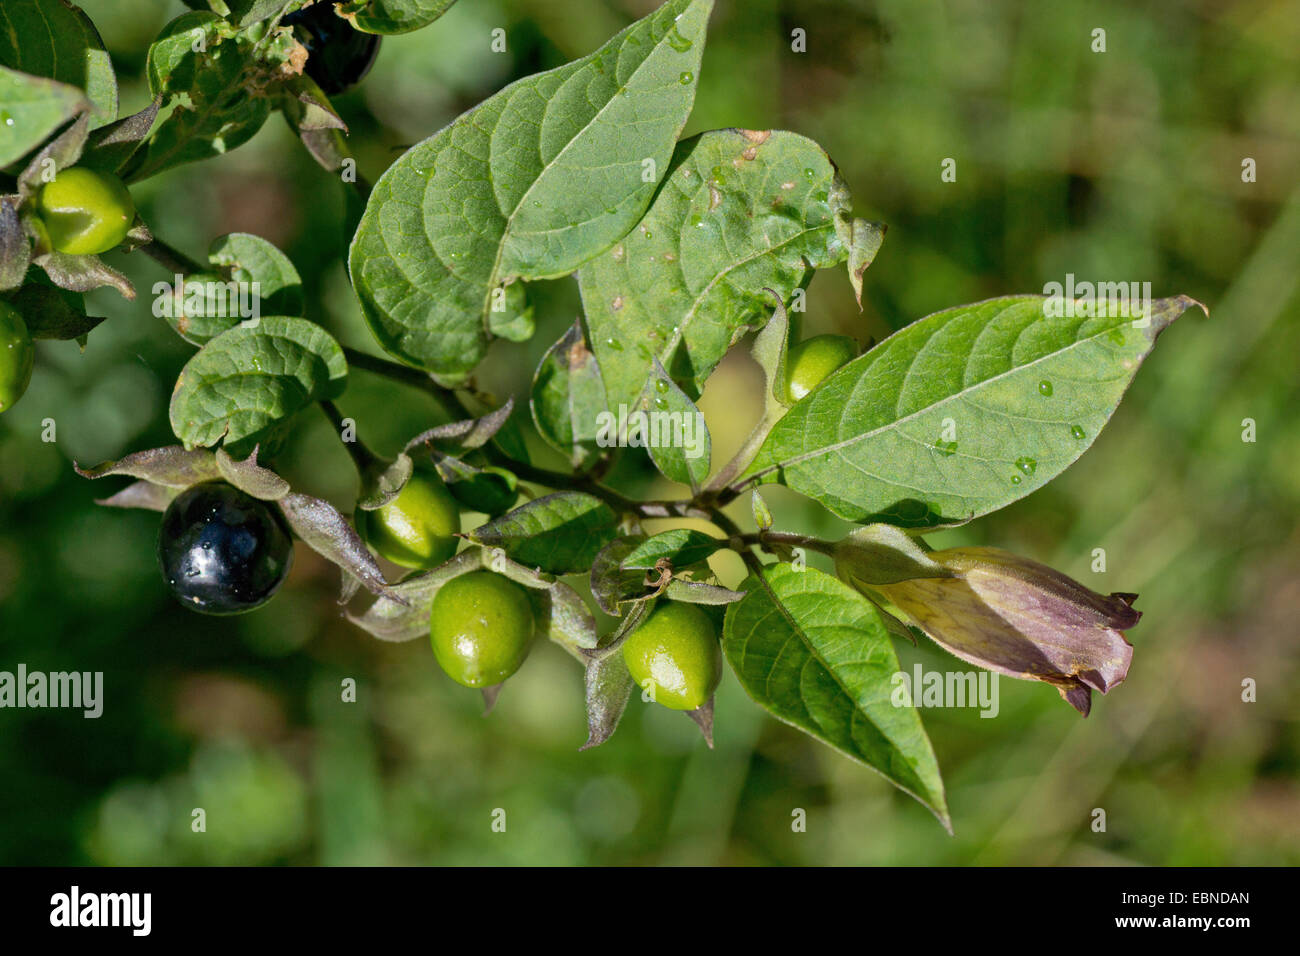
1122	165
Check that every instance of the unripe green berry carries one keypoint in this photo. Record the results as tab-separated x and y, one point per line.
481	628
809	362
418	528
85	212
675	656
17	355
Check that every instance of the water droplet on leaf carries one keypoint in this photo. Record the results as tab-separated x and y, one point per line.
1026	464
1077	431
1044	387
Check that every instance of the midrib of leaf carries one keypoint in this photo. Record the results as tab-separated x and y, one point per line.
505	233
204	116
897	422
812	651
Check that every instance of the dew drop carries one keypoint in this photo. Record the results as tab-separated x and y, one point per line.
1077	431
1116	336
945	448
686	77
1044	387
1015	479
1026	464
661	403
809	173
661	385
614	344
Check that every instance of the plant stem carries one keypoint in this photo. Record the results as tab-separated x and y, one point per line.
362	456
170	258
737	537
746	453
763	538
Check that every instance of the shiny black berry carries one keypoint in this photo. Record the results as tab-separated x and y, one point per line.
222	551
338	55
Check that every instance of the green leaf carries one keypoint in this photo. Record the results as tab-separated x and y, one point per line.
960	413
739	211
51	313
568	396
256	279
111	147
33	108
55	39
528	185
247	12
817	655
611	584
250	379
217	110
393	16
559	533
680	547
678	439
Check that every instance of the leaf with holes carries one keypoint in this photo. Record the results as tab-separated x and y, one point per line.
530	184
739	211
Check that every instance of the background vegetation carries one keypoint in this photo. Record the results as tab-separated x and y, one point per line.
1124	165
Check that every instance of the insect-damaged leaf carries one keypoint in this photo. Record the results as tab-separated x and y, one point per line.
529	184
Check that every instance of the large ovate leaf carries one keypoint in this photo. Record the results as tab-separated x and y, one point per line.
559	533
55	39
393	16
31	109
250	379
530	184
816	654
739	211
962	412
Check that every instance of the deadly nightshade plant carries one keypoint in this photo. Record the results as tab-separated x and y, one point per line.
682	249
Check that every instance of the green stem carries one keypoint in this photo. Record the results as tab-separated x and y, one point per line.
361	456
170	258
763	538
742	458
737	540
